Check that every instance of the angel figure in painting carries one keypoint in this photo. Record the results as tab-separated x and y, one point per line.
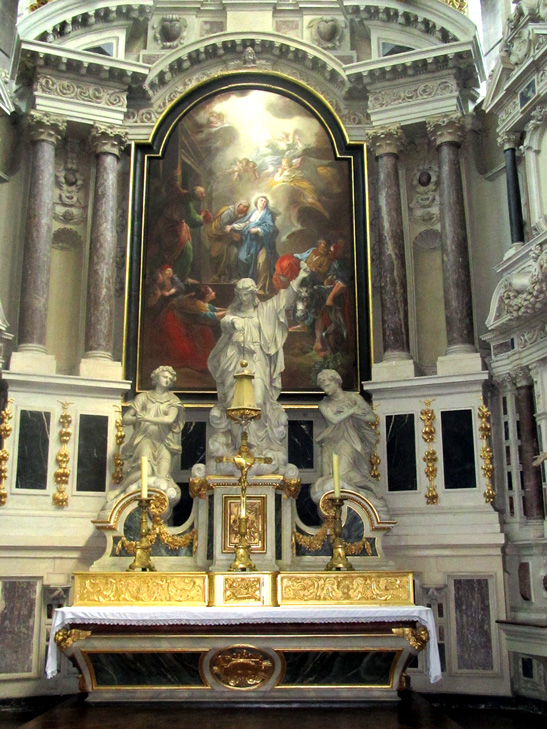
157	417
348	433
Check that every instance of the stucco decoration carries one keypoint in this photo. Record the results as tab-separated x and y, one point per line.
327	32
70	206
170	31
66	239
424	208
525	292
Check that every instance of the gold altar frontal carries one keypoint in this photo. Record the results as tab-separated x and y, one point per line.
247	589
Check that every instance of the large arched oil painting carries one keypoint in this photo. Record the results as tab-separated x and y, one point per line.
247	185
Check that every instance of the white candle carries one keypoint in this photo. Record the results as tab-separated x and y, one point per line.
336	475
144	477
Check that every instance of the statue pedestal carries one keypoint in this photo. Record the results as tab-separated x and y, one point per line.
219	505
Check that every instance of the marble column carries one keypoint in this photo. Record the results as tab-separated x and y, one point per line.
533	489
107	144
510	141
387	143
447	132
45	131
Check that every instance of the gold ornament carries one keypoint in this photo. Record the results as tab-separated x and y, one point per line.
343	588
375	458
62	474
417	637
430	457
140	588
117	474
242	667
66	637
485	430
5	432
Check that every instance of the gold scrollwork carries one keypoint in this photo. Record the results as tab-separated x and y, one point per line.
485	430
314	542
66	637
237	589
461	5
242	667
5	432
290	487
62	474
375	458
117	473
416	637
345	588
430	457
123	588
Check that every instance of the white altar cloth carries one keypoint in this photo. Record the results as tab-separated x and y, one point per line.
235	616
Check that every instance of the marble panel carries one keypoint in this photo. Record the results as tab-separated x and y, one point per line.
301	443
193	441
33	449
92	450
401	453
473	624
307	508
211	527
17	625
458	449
182	510
146	669
338	668
278	527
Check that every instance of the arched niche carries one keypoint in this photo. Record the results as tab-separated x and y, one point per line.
238	137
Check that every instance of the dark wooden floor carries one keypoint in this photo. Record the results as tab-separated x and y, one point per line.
412	712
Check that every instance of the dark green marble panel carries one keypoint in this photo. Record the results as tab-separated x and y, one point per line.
33	449
92	448
338	668
146	669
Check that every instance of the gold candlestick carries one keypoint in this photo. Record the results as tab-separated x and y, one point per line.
339	560
143	547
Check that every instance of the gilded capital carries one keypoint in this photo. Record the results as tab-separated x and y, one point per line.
107	140
386	140
509	140
446	129
45	127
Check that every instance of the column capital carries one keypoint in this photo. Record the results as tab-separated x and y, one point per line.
45	127
107	140
386	140
504	383
446	129
522	377
509	140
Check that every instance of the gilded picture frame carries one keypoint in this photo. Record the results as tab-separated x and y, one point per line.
246	176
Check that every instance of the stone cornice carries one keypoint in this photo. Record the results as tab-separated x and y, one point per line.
464	56
230	46
83	64
60	18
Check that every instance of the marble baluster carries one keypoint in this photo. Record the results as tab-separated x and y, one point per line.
107	144
533	490
387	143
45	131
447	132
510	141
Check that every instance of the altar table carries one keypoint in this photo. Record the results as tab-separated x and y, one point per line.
268	654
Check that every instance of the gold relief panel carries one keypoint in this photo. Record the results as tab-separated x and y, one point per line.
348	588
256	523
141	588
254	589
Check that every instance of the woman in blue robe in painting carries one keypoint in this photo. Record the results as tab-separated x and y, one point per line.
258	233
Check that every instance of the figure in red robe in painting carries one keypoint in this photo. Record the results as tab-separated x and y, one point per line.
186	329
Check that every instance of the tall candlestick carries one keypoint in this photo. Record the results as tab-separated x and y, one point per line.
144	477
336	475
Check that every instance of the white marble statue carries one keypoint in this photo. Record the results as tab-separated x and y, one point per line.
348	433
157	417
255	331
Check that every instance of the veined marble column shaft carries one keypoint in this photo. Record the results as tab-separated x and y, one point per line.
45	131
533	490
447	133
510	141
387	143
107	143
